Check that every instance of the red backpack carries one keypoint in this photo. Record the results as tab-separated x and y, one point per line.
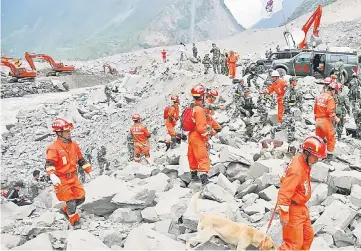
187	122
166	112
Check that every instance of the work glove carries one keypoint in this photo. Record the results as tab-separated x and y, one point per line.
222	107
55	179
337	119
284	217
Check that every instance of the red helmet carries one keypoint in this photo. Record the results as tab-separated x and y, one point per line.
333	76
333	85
198	90
315	146
213	93
174	98
327	80
339	86
135	117
60	125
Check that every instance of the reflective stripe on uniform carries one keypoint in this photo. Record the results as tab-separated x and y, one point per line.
284	208
86	166
50	168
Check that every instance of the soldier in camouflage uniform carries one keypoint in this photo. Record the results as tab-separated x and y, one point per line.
130	145
103	163
215	60
108	94
34	185
342	108
338	67
355	91
223	63
207	63
357	117
291	100
194	50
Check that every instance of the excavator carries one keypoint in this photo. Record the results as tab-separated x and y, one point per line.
56	68
298	39
111	70
16	62
19	74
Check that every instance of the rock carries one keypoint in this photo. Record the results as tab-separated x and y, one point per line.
125	215
218	168
318	195
40	242
23	212
137	198
356	195
344	179
172	156
217	193
269	194
213	244
336	215
319	244
221	118
332	198
170	169
275	232
9	126
226	184
341	239
100	192
144	238
255	208
237	125
319	172
159	183
357	233
112	237
48	199
139	170
245	188
83	240
47	218
163	226
130	98
271	179
184	169
7	209
255	217
10	241
236	171
328	238
249	199
266	166
232	154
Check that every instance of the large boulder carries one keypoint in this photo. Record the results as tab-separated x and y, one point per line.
135	198
125	215
10	241
159	182
144	238
217	193
356	195
40	242
319	194
336	215
172	156
269	194
266	166
235	155
83	240
100	192
320	171
344	179
223	182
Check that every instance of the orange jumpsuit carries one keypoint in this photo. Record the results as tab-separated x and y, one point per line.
231	61
278	87
212	123
141	144
324	111
171	121
293	194
62	159
197	150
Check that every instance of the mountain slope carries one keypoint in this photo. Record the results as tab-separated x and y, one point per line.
288	8
90	29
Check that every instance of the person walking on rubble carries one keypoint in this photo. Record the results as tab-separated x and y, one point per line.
342	109
215	60
62	158
325	114
141	137
195	51
164	56
294	193
171	116
231	62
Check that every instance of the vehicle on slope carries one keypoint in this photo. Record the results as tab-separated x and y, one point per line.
16	62
56	68
19	74
298	38
265	64
318	64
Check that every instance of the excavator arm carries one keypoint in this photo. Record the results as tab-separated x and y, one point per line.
315	20
10	65
16	62
18	73
56	67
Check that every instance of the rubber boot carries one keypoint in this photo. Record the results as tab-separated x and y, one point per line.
204	179
195	177
64	211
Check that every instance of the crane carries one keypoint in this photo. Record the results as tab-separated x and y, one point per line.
56	68
16	62
299	37
19	74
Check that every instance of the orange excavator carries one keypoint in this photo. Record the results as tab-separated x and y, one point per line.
19	74
111	70
56	68
300	37
16	62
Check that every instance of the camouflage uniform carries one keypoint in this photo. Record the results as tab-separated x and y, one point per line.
355	92
245	107
195	51
357	117
339	66
34	187
88	154
342	108
226	65
207	63
108	94
103	163
130	145
291	99
223	63
215	60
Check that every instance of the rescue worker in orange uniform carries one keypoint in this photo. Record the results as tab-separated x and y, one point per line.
278	86
62	158
172	117
198	138
140	136
231	62
294	193
325	113
210	107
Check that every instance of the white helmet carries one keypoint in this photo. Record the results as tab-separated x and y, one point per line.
275	74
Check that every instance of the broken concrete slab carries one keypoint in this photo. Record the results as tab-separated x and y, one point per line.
341	239
235	155
344	179
223	182
336	215
266	166
271	179
318	195
47	218
319	244
9	241
40	242
245	188
159	182
172	156
125	215
269	194
23	212
334	197
217	193
236	171
83	240
136	198
320	171
355	197
184	169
